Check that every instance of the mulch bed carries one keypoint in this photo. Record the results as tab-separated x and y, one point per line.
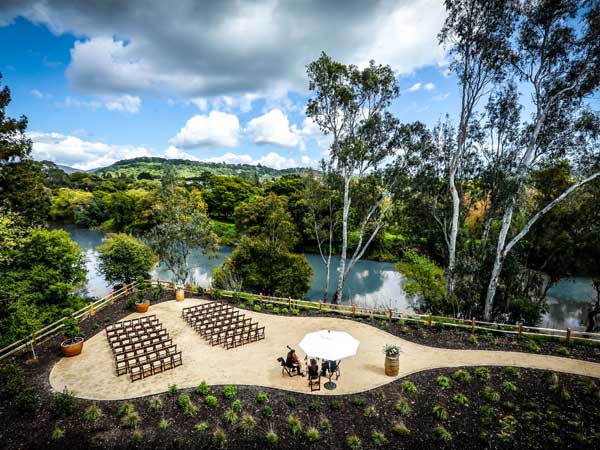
535	417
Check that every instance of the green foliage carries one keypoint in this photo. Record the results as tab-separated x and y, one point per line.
315	405
172	390
202	389
266	411
247	423
291	402
312	434
462	375
324	423
230	417
442	434
401	429
92	413
257	308
461	399
210	400
163	424
201	427
533	347
408	387
439	412
219	438
357	401
236	406
57	434
136	437
262	397
155	404
378	438
271	437
294	424
482	373
29	401
131	420
563	351
443	381
490	394
335	405
125	409
511	371
354	442
185	403
473	340
11	379
403	407
225	193
63	404
229	392
123	259
509	386
370	411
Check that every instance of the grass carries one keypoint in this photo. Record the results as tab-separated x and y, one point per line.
403	407
442	434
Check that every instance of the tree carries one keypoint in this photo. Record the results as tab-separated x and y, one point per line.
561	66
123	259
265	267
183	227
350	105
224	193
477	32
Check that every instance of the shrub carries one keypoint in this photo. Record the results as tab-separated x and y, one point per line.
271	437
564	351
131	420
510	406
403	408
442	434
210	400
184	402
219	438
267	411
564	394
125	408
315	405
509	386
401	429
236	405
294	424
324	423
29	401
269	306
172	390
284	310
57	434
236	297
357	401
155	404
490	394
257	308
381	395
483	373
552	378
251	301
262	397
378	438
312	434
229	392
202	389
136	437
92	413
443	381
276	310
408	387
295	311
462	375
353	442
201	427
440	412
229	417
242	306
533	347
335	405
163	424
497	342
473	340
247	423
63	403
291	402
487	414
461	399
11	379
511	371
370	411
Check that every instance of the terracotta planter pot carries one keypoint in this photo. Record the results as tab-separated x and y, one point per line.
72	347
142	307
391	365
179	295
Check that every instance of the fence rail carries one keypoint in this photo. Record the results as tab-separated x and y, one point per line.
520	330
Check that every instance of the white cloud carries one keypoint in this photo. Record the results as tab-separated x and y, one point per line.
441	97
305	160
415	87
126	103
75	152
231	158
216	129
275	160
273	128
39	94
429	87
173	152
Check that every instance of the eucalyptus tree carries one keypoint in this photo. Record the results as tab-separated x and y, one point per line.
556	57
350	105
477	34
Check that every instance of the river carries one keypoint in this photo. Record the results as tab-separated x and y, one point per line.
370	283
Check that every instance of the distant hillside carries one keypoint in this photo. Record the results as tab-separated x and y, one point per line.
190	169
65	169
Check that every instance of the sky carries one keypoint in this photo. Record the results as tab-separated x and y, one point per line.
212	81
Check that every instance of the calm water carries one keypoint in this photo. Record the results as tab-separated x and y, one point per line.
371	283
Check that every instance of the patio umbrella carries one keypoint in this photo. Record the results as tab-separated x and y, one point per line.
330	345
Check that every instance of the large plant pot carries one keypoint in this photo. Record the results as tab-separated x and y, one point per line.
142	307
72	347
391	366
179	294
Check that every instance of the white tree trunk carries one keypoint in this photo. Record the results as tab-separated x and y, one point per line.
453	233
342	266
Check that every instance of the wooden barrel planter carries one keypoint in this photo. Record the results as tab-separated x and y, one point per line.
142	307
72	347
392	365
179	294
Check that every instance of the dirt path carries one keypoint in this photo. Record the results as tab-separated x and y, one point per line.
92	375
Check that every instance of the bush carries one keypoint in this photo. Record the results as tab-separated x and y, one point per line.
378	438
57	434
131	420
284	310
201	427
229	392
370	411
236	406
295	311
202	389
403	408
291	402
462	375
312	434
401	429
357	401
509	386
185	403
210	400
242	306
136	437
219	438
172	390
155	404
482	373
63	404
294	424
315	405
442	434
271	437
257	308
353	442
163	424
92	413
267	411
511	371
11	379
335	405
29	401
473	340
276	310
443	381
262	397
564	351
229	417
487	414
533	347
247	423
490	394
408	387
461	399
324	423
440	412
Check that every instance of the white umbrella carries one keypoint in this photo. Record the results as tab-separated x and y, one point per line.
330	345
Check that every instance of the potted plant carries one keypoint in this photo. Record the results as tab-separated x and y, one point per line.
73	344
392	352
142	303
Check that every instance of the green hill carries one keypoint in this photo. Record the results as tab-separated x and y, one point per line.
186	169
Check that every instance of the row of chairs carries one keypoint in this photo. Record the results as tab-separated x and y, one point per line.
222	324
142	347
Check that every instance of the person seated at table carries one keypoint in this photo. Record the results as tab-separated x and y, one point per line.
325	367
313	369
293	362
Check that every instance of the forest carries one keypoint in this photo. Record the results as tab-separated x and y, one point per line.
483	212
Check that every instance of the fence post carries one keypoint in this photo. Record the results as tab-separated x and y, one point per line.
112	297
126	290
473	326
568	339
353	310
520	331
92	312
390	315
320	305
290	304
429	320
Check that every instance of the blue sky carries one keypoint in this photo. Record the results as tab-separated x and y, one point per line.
97	89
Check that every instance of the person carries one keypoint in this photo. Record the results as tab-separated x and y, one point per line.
328	366
313	369
293	362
